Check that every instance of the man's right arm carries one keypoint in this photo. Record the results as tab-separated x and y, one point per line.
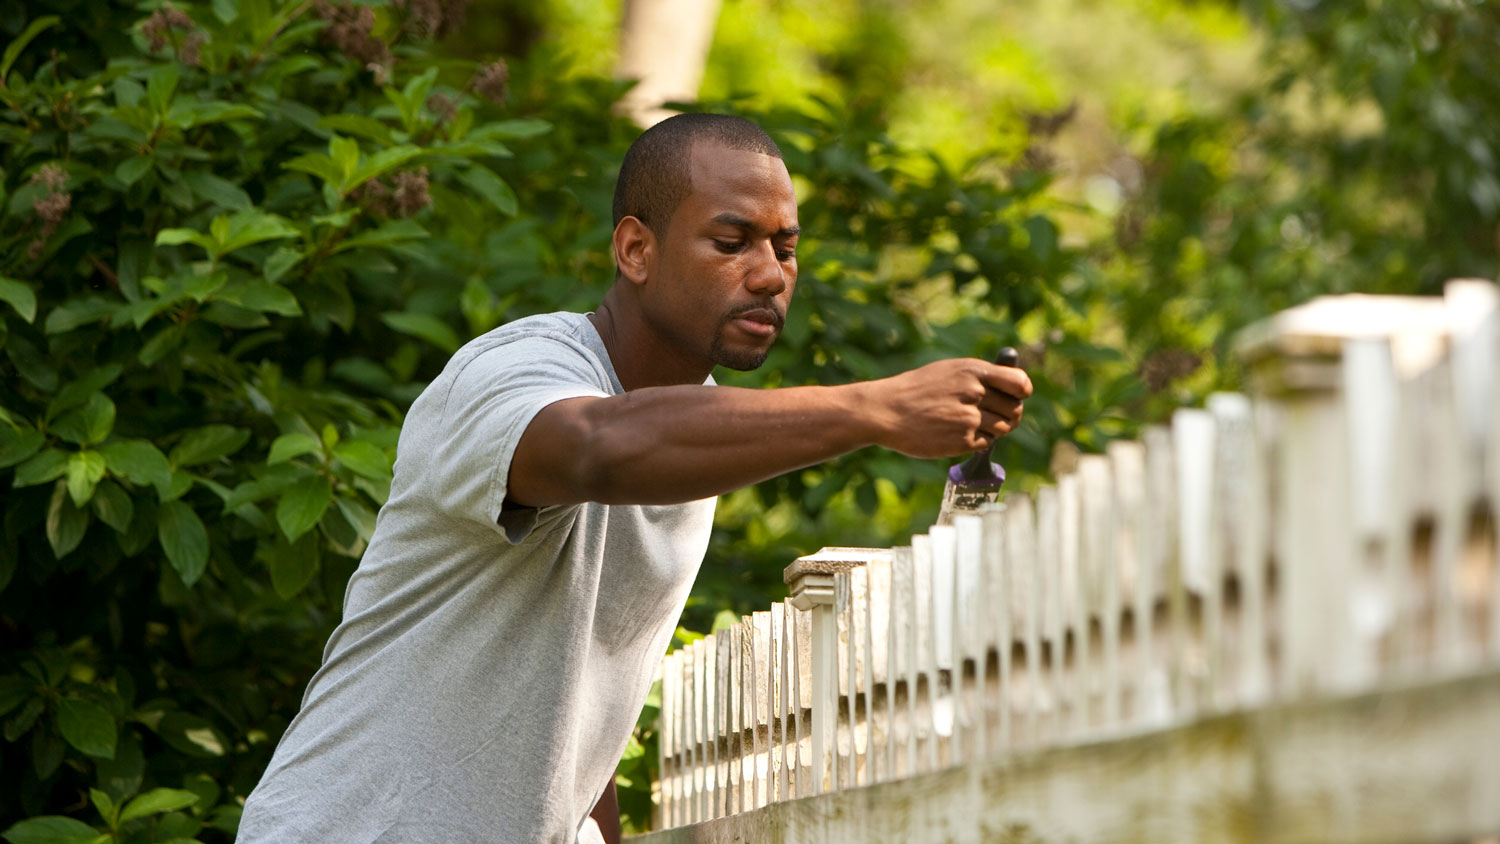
667	445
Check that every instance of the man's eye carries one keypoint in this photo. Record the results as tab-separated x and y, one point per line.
786	254
729	246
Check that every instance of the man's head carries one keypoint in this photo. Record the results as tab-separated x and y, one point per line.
705	236
654	177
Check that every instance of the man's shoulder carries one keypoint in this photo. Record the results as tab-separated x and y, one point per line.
561	326
534	339
562	347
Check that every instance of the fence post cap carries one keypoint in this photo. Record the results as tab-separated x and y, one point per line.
1299	349
811	577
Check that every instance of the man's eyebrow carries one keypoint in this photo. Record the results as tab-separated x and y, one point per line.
739	222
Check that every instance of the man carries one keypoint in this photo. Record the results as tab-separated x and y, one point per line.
553	495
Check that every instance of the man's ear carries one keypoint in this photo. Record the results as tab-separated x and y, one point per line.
635	249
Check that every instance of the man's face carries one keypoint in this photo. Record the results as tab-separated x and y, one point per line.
727	266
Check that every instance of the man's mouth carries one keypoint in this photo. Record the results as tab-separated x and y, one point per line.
761	322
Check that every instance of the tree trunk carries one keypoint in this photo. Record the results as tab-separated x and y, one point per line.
664	44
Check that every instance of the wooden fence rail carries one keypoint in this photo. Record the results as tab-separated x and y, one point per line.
1331	536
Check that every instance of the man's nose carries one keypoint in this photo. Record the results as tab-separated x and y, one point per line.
768	274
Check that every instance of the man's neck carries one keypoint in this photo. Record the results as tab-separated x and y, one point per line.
640	356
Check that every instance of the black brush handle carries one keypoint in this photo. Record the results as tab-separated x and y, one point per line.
977	467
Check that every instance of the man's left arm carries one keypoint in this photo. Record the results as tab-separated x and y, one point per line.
607	813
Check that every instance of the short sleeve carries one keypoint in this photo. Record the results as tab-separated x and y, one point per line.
490	403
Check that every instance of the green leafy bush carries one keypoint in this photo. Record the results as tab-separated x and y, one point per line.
234	246
231	253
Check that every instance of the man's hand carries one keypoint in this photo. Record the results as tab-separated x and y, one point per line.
667	445
950	407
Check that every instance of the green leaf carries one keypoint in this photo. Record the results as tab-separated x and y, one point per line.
113	506
344	152
13	50
521	128
380	163
492	189
31	362
425	327
272	483
180	482
89	424
88	727
121	776
76	312
287	446
221	192
318	165
174	237
389	234
137	461
156	801
104	806
294	564
53	829
190	114
85	470
132	169
263	297
40	468
18	296
161	343
128	92
227	11
359	516
160	86
184	538
364	458
16	446
66	524
396	231
79	391
303	505
191	735
14	690
253	226
282	260
358	124
200	445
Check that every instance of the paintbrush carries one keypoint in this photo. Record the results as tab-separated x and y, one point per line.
977	480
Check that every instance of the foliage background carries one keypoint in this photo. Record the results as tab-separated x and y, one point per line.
236	240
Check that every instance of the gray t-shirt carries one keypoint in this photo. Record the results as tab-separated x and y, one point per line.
490	665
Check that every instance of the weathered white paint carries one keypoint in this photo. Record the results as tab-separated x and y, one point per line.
1410	764
1330	538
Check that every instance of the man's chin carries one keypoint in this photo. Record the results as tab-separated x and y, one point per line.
742	360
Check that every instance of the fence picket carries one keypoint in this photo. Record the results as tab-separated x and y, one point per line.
775	704
999	635
904	658
881	675
970	628
1195	605
1096	587
1021	586
1159	548
945	681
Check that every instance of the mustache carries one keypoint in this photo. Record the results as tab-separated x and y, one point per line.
767	311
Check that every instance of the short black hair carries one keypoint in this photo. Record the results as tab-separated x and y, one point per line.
656	173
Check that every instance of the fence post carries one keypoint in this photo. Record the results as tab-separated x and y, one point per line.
810	580
1296	363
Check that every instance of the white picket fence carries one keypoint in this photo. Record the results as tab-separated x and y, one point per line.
1332	536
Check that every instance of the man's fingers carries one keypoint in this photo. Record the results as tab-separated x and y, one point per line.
1002	403
992	425
1006	379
